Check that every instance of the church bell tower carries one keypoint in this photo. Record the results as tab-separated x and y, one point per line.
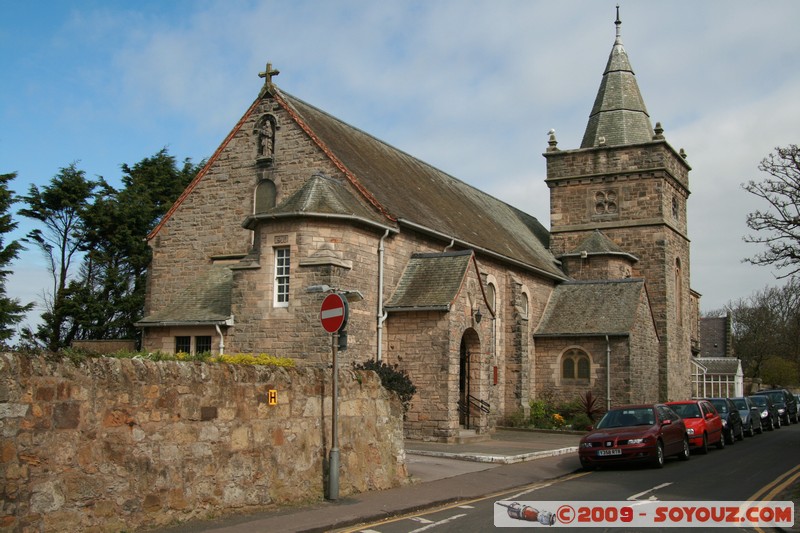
628	183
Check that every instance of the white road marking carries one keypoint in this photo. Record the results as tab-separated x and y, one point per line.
635	497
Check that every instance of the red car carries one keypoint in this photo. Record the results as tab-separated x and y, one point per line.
635	433
703	423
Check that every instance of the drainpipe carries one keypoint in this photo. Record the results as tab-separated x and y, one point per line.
381	314
452	242
221	340
608	374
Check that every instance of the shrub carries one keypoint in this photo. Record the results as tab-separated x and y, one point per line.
252	359
541	414
393	379
580	422
517	419
590	405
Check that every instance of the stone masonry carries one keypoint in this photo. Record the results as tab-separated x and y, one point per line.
120	444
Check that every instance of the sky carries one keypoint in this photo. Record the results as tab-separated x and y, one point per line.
469	86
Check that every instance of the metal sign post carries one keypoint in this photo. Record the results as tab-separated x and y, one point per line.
333	317
333	460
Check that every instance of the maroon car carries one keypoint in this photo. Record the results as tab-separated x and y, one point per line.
635	433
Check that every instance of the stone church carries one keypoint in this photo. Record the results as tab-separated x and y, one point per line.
483	306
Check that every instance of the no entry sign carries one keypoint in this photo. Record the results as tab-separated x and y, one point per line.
333	314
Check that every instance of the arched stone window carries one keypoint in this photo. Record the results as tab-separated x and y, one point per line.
264	196
576	367
524	305
491	296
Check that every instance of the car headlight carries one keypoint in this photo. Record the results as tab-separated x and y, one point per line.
724	423
636	441
690	431
764	413
781	411
586	444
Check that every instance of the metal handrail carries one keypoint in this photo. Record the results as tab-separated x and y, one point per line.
472	401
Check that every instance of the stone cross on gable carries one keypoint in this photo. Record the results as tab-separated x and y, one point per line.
268	74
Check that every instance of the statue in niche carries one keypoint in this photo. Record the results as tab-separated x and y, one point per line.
265	143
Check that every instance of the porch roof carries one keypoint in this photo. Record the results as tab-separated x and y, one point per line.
206	301
430	282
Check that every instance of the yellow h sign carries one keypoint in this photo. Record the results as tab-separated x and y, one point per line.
272	397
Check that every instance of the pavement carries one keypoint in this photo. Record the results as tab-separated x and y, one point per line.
440	474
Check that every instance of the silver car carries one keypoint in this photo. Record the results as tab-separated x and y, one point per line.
751	416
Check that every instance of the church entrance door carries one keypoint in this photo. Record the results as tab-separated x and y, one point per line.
469	380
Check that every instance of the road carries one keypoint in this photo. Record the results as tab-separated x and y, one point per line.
741	472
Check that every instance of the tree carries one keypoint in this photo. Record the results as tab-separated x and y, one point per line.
778	372
767	326
60	207
779	226
103	295
11	310
108	295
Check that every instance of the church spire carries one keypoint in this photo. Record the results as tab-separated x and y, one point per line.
619	116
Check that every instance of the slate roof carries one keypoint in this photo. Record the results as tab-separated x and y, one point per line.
430	282
714	337
619	116
413	193
720	365
206	301
592	308
597	243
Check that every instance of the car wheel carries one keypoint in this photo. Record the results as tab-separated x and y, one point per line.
684	456
585	464
778	423
659	459
786	421
741	433
760	429
721	441
729	438
751	432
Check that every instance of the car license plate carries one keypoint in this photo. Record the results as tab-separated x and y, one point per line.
612	451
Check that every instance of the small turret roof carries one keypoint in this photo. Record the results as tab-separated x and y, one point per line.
619	116
597	243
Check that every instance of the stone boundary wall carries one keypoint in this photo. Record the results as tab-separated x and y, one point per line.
124	444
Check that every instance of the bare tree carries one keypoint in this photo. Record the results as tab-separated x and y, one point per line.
777	227
766	326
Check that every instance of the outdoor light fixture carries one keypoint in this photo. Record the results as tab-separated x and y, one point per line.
477	314
319	288
349	294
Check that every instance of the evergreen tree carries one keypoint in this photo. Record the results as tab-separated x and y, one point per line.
59	207
11	310
109	295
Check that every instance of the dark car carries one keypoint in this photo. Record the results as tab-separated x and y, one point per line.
784	401
635	433
732	426
751	415
770	419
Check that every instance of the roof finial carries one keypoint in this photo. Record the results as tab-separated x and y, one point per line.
618	23
268	73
